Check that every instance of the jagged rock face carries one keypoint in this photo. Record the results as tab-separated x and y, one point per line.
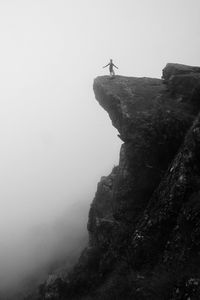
152	126
172	212
185	237
101	221
178	69
144	220
183	83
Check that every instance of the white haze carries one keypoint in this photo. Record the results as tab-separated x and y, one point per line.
56	141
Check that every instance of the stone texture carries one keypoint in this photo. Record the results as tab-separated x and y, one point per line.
178	69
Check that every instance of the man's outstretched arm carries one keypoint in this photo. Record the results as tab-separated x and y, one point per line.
106	66
115	66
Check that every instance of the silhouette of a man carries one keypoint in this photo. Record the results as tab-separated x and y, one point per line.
111	67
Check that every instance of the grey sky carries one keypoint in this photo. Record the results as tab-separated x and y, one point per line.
56	142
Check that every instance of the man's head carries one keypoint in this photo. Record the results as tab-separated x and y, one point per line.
111	60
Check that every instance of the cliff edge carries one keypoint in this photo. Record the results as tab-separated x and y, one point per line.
143	225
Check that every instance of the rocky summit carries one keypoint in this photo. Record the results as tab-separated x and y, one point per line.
144	222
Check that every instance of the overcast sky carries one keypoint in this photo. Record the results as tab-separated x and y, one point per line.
56	142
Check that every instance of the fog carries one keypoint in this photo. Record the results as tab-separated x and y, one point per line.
56	141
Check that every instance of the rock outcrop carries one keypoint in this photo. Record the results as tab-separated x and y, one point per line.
144	228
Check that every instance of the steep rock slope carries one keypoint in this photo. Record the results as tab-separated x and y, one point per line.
144	220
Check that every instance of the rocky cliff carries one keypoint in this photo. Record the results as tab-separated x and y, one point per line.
144	222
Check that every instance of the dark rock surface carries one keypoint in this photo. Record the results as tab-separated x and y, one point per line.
144	222
178	69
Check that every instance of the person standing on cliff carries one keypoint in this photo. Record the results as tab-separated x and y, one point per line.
111	68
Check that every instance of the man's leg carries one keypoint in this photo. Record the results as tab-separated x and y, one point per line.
112	73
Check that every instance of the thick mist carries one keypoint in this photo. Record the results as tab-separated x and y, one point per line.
56	142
